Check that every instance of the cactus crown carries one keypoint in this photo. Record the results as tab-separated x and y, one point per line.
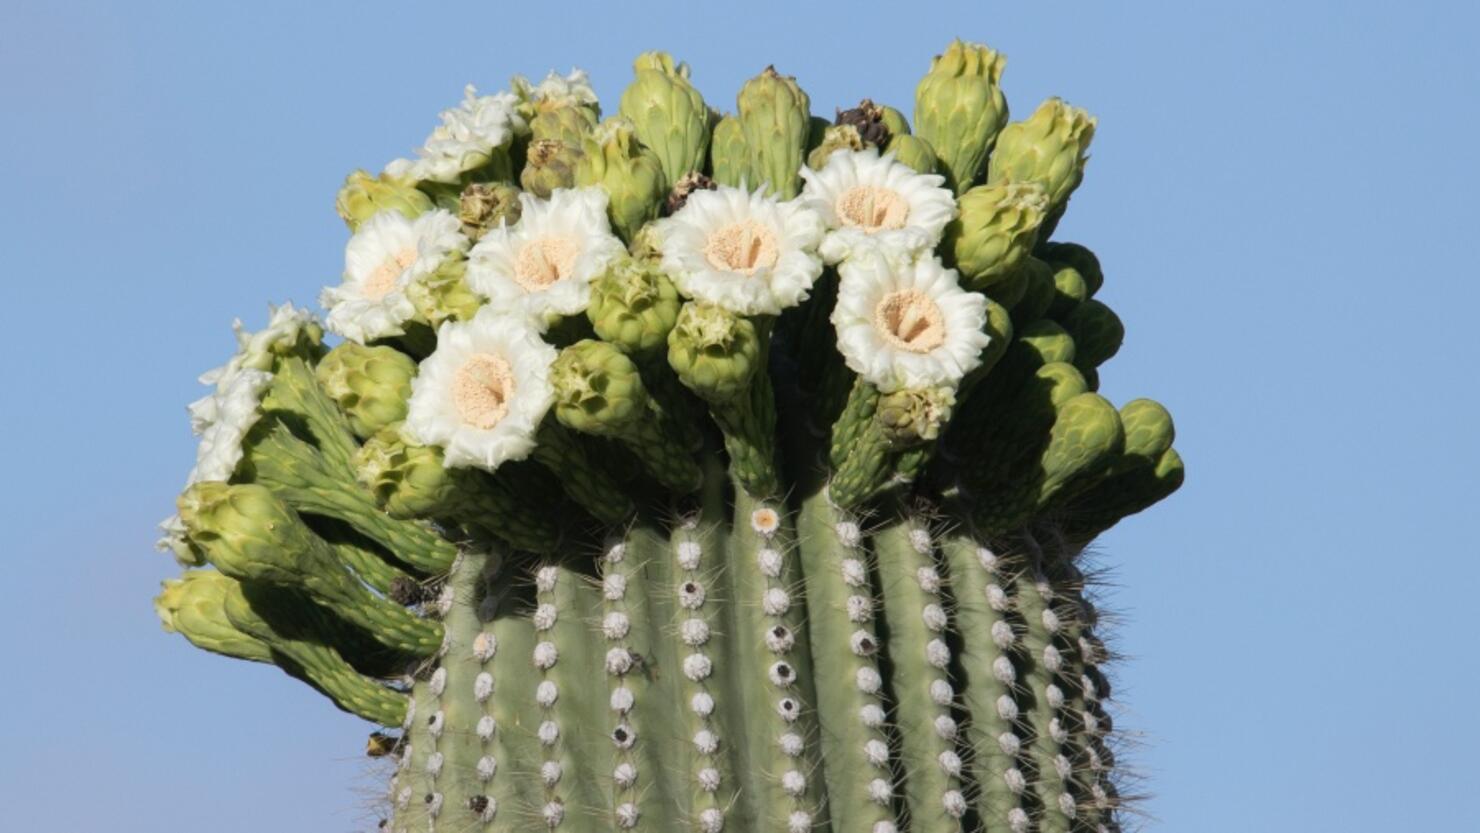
693	472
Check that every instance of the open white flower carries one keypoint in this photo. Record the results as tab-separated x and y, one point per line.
871	200
556	90
544	264
236	407
746	252
387	254
482	394
465	140
905	323
287	326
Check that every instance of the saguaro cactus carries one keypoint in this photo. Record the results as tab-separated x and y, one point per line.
708	489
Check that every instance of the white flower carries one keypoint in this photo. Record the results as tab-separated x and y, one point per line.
746	252
543	265
871	200
907	323
386	255
571	90
482	393
465	140
235	407
286	326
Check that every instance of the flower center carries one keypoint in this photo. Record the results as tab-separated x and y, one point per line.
481	389
872	208
910	320
383	279
741	247
544	261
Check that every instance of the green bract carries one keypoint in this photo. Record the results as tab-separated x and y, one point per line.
691	570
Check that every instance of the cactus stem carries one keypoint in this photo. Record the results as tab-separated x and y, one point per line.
982	604
697	553
855	748
918	622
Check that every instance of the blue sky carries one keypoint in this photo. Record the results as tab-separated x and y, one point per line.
1283	196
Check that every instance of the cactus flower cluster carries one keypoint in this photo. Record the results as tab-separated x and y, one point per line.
682	469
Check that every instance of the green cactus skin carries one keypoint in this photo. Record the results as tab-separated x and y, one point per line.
733	587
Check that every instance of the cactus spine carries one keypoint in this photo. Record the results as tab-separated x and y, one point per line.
747	491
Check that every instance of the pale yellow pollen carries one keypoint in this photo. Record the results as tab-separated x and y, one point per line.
481	389
383	279
545	260
872	208
742	247
910	320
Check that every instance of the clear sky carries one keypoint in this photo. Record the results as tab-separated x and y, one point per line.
1283	195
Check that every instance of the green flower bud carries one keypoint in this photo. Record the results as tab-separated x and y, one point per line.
715	352
630	174
1149	432
994	232
1070	290
245	530
835	138
408	480
1082	259
443	296
567	125
369	384
668	114
597	389
194	607
775	118
1086	438
363	196
487	205
634	306
729	157
1049	148
910	417
959	109
1097	333
551	164
894	120
867	120
915	153
1044	341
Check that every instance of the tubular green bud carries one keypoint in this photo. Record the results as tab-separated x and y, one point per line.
994	232
1045	342
715	352
668	114
369	384
597	389
894	120
194	607
1086	437
1070	290
408	480
867	120
634	306
551	164
959	109
487	205
251	535
915	153
630	174
1097	333
567	125
1149	432
1049	148
910	417
728	156
835	138
363	196
1072	254
775	119
444	295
